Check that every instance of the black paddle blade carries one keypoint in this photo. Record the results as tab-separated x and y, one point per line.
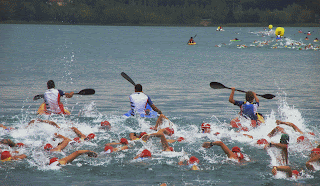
87	92
37	97
216	85
127	78
268	96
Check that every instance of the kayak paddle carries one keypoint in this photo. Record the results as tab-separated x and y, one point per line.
127	78
216	85
82	92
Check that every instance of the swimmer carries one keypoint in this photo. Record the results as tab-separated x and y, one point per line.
82	136
205	128
283	145
145	154
108	148
234	153
161	119
60	146
314	157
105	125
289	172
6	128
71	157
163	139
6	156
44	121
192	163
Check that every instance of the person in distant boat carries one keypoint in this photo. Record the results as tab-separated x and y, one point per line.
306	38
56	162
191	40
283	145
139	101
316	39
309	33
234	153
248	108
52	99
236	39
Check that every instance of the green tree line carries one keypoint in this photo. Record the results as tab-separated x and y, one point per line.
172	12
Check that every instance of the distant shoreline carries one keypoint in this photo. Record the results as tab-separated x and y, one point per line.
168	25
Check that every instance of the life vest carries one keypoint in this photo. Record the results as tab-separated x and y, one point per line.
52	100
249	110
138	102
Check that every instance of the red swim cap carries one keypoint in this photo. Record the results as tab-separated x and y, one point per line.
205	125
53	160
262	141
77	139
316	150
124	141
171	148
180	139
106	148
145	153
171	131
311	133
48	146
295	172
91	136
142	133
217	133
105	123
240	155
300	139
5	155
235	149
193	160
20	144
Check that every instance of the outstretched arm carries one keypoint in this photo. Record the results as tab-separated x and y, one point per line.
61	145
286	169
289	124
77	131
313	159
226	150
75	154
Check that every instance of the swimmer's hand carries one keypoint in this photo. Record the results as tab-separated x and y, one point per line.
145	137
92	154
206	145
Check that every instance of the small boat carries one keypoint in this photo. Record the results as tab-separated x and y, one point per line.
192	43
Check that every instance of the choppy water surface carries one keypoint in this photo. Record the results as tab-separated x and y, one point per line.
176	76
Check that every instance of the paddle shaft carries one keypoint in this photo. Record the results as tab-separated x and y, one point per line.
82	92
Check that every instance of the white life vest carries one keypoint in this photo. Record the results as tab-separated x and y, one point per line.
52	100
138	102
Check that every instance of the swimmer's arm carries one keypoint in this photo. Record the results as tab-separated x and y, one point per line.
77	131
74	155
286	169
279	145
290	124
224	147
114	143
313	159
19	157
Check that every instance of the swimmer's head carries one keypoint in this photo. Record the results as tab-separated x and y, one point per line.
145	153
90	136
108	149
180	139
105	125
300	139
77	139
262	141
124	141
5	155
170	130
235	149
284	139
193	160
142	133
48	146
52	160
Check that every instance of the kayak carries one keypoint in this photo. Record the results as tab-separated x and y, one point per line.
152	113
235	40
191	43
43	108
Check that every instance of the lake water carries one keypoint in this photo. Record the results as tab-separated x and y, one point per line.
176	76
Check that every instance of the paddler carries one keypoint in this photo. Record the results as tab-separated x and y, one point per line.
52	99
191	40
248	108
139	101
